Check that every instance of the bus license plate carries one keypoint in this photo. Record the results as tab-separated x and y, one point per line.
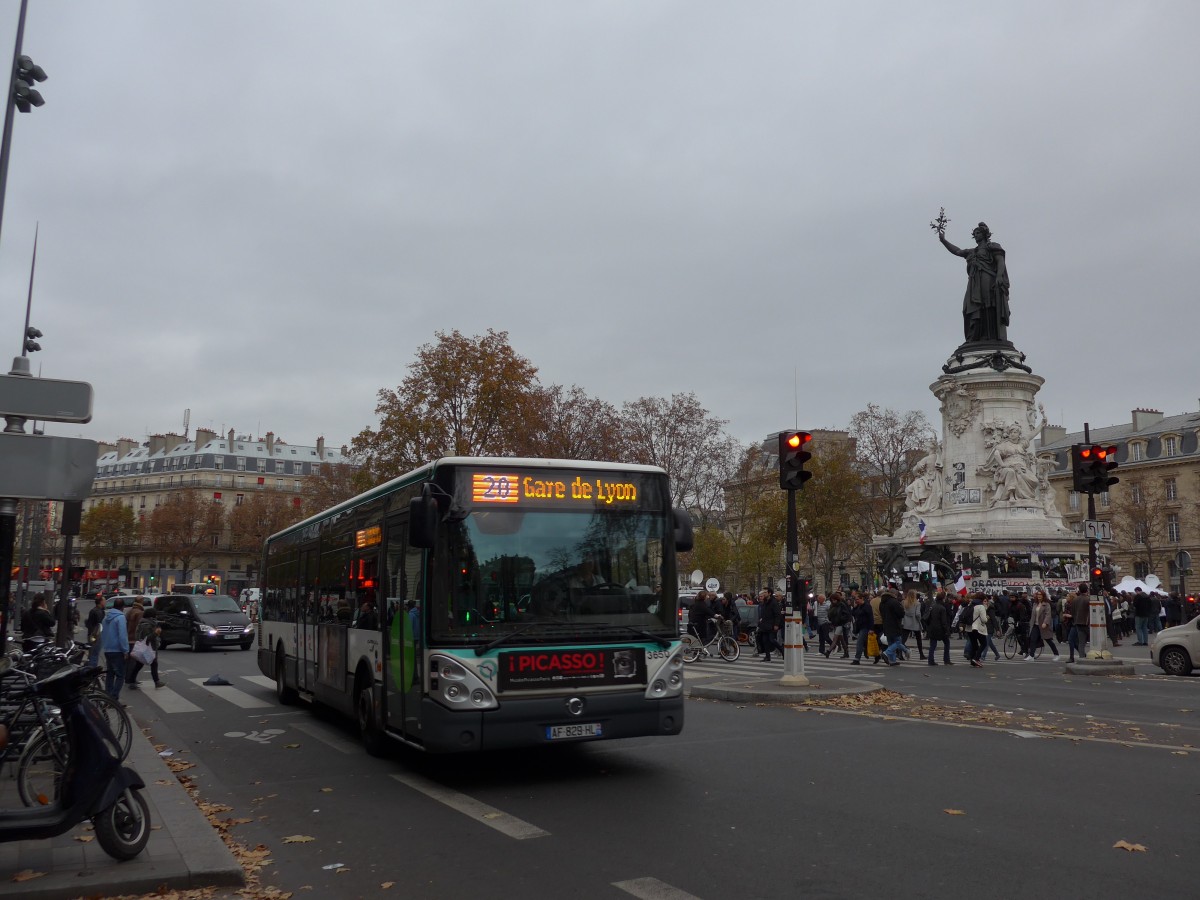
565	732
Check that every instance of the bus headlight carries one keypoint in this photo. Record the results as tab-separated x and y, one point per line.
668	680
456	687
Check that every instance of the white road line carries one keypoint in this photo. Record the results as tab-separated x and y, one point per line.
325	736
169	701
232	694
653	889
472	808
261	681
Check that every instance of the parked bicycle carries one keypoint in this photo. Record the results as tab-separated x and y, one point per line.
722	641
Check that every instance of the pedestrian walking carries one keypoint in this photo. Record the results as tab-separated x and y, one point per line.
864	626
1077	637
769	619
1041	626
912	619
821	613
938	629
839	621
891	611
978	630
150	632
114	639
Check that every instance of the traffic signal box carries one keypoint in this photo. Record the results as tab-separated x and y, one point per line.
1090	467
793	454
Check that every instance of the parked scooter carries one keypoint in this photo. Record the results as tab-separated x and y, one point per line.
95	785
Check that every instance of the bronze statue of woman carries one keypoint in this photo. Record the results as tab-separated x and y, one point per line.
985	304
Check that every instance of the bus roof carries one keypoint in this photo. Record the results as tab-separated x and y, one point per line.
425	472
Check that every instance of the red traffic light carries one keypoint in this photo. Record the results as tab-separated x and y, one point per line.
1097	572
797	439
1085	452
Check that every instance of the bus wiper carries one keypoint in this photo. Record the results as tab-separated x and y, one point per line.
640	632
505	638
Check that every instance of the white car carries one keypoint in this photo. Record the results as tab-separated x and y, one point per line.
1176	650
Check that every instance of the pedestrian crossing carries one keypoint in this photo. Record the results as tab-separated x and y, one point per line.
185	695
751	666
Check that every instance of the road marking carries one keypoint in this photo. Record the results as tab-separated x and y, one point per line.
472	808
232	694
652	889
337	742
261	681
169	701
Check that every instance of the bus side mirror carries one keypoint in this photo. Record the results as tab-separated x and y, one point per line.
683	531
423	519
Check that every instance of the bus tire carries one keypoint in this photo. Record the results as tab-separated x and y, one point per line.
366	711
284	694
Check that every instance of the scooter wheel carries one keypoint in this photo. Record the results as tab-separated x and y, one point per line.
123	829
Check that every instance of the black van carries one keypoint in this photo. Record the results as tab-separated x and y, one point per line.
202	621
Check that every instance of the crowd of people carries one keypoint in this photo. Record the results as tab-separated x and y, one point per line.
900	622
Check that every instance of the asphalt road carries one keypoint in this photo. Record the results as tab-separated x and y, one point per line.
750	801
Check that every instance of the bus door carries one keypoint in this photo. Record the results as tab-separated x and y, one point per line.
405	625
306	625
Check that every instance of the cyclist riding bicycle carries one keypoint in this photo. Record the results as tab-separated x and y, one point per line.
700	618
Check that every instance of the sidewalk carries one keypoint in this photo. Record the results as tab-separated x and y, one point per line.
184	850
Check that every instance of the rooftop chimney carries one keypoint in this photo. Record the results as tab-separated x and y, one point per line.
270	443
203	436
1144	418
320	448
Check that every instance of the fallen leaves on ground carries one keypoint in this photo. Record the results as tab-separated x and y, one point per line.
954	812
298	839
27	875
1132	848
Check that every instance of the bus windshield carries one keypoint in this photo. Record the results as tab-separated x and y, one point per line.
591	574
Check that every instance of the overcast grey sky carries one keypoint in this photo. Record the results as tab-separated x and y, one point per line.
259	210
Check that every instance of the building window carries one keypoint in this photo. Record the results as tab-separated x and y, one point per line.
1136	452
279	484
1074	502
241	463
219	462
1135	494
262	465
239	499
1141	569
296	485
1077	527
216	539
1172	490
241	481
1173	528
1139	533
1169	447
1105	499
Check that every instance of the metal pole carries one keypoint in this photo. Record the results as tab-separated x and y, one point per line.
1097	625
793	633
8	533
9	113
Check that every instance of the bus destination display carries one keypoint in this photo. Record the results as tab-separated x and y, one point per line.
556	489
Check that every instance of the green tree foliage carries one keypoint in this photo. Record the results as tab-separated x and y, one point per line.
711	553
463	396
829	511
107	531
755	517
187	524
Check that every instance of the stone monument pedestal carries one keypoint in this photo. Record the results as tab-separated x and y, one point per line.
981	493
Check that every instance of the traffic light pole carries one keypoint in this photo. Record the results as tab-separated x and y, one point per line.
793	635
1097	620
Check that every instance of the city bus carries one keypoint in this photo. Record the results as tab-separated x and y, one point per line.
483	603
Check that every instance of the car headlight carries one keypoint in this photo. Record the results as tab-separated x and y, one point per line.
248	629
211	632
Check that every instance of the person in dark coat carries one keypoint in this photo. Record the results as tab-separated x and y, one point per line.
937	628
864	624
769	622
892	611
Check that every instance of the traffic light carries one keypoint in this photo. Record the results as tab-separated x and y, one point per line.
24	95
792	457
31	335
1090	467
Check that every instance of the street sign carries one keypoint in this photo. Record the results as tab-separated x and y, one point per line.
1183	560
1100	531
40	467
47	399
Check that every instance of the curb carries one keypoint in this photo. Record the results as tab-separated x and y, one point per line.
184	850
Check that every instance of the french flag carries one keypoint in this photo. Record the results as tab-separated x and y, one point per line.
921	529
964	577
